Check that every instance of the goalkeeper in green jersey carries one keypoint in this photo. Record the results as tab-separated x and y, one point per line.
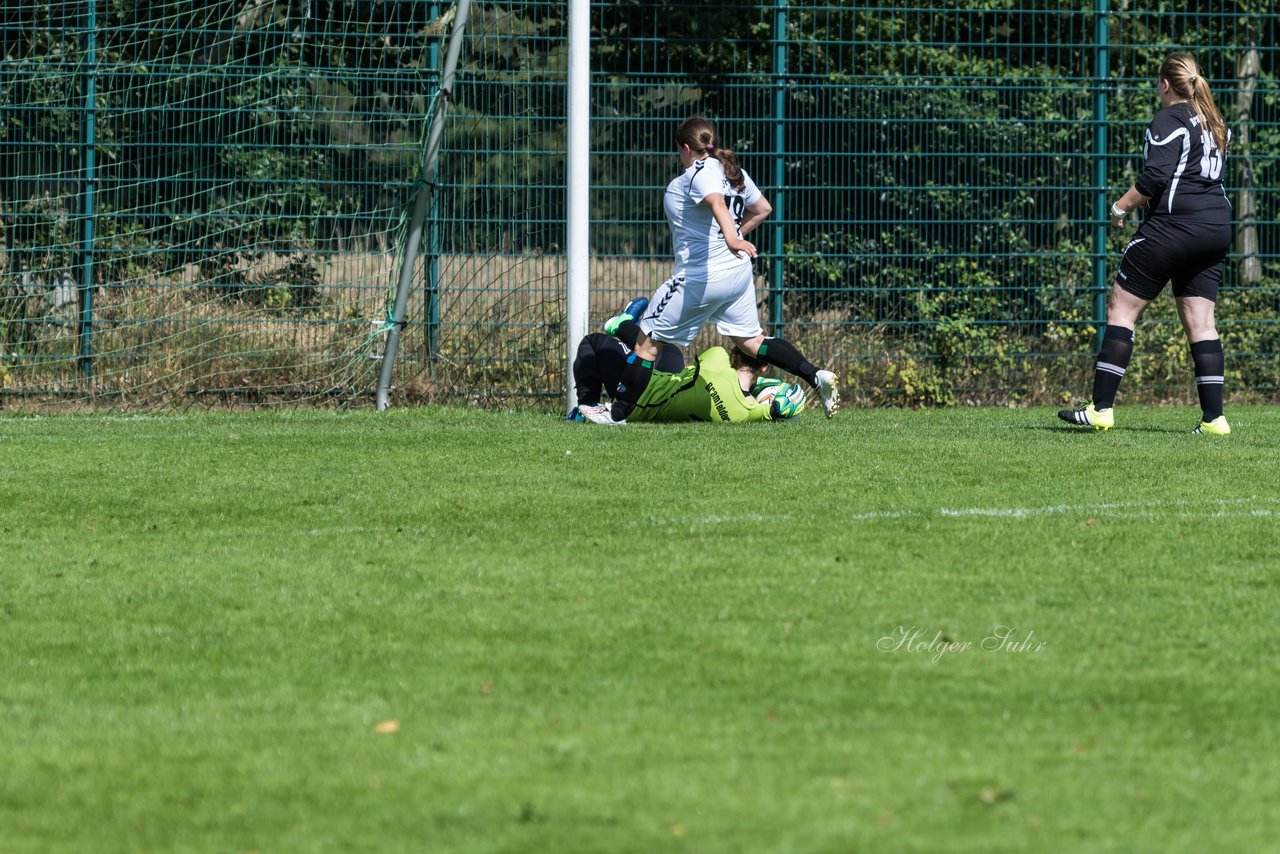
714	388
711	389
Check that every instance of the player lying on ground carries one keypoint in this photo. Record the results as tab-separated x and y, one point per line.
597	368
714	388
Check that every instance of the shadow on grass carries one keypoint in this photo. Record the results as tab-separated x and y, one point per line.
1067	428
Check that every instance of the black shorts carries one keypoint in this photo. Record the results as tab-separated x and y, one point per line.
1191	254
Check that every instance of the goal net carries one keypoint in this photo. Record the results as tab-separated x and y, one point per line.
205	202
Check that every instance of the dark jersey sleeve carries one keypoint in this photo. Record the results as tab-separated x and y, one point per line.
1167	144
1183	171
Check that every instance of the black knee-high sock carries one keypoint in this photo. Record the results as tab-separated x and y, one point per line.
628	332
636	374
781	353
1113	361
1209	362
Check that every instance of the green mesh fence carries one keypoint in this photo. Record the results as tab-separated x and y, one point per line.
939	175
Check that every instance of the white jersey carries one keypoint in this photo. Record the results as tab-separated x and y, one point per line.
699	245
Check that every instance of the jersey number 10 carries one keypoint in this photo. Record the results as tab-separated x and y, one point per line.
736	206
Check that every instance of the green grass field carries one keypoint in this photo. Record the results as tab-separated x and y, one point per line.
654	638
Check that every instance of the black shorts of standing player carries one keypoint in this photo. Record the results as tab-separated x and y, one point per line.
1190	254
599	362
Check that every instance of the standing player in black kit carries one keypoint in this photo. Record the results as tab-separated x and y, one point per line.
1184	238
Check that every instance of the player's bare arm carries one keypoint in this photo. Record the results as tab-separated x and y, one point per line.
728	227
1121	209
756	213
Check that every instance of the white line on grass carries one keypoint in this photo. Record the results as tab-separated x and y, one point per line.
1123	508
1200	508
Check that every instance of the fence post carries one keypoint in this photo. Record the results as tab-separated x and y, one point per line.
1101	214
778	250
88	145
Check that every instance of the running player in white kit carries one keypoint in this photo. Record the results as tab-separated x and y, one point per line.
710	207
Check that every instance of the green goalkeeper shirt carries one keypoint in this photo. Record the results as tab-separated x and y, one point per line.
707	390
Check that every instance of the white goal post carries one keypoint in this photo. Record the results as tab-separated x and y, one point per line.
578	189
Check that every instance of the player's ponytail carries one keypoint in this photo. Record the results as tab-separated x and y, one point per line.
1186	80
700	135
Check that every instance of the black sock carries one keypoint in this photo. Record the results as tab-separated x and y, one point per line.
628	332
636	374
1207	356
781	353
1113	360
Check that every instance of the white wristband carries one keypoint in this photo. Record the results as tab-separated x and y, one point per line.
1117	213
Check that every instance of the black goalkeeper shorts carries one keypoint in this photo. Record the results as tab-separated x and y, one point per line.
1190	254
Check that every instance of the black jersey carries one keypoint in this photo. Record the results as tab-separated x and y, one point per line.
1183	173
